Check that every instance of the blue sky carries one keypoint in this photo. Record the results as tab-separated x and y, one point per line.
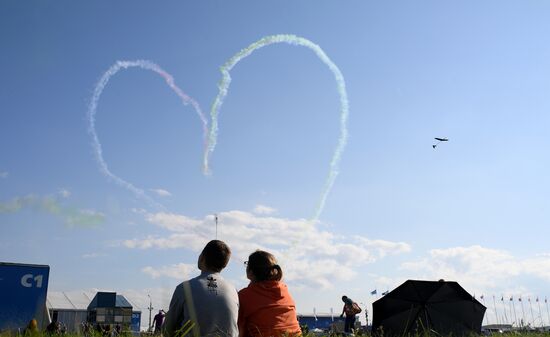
472	210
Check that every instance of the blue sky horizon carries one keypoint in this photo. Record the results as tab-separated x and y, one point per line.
471	210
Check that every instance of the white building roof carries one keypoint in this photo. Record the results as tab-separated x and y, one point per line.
76	300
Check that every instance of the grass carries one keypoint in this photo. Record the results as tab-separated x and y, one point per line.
186	332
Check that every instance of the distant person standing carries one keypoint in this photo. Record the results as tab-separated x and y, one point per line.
32	329
53	328
350	310
207	301
157	322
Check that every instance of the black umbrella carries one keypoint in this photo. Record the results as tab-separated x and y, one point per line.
439	307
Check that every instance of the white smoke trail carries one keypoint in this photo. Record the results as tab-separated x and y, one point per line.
341	87
92	110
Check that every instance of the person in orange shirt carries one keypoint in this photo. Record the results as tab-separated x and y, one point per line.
266	308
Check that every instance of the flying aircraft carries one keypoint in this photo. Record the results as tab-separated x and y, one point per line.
439	140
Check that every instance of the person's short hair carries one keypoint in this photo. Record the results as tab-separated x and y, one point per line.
264	267
216	255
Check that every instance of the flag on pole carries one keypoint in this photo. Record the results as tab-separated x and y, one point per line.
332	314
519	299
528	299
480	296
537	299
373	292
511	298
315	314
545	301
502	298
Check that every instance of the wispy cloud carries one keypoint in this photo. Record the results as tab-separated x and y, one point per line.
264	210
161	192
92	255
4	174
180	271
72	216
65	193
297	243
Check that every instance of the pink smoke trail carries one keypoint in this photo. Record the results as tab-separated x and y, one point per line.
92	110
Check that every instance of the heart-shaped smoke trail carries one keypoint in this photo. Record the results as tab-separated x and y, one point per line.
341	86
92	109
211	140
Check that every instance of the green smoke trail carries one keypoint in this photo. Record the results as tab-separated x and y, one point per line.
72	216
223	88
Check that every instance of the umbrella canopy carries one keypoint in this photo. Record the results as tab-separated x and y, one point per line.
436	306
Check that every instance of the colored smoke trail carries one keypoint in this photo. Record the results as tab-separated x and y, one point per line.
341	86
92	110
72	216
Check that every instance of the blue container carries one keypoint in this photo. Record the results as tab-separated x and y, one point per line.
136	322
23	290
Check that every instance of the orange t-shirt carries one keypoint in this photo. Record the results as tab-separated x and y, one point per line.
266	309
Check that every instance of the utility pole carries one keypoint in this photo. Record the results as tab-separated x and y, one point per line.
150	310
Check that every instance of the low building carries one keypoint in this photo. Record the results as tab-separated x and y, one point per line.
72	310
321	321
110	308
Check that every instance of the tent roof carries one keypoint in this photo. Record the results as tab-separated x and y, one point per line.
80	300
68	300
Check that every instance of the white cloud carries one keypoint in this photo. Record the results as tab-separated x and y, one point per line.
494	273
92	255
139	210
297	243
65	193
264	210
161	192
179	271
384	247
4	174
480	269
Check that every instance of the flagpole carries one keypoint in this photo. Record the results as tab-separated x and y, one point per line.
511	315
485	317
504	309
540	313
495	306
522	313
515	313
547	312
531	308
